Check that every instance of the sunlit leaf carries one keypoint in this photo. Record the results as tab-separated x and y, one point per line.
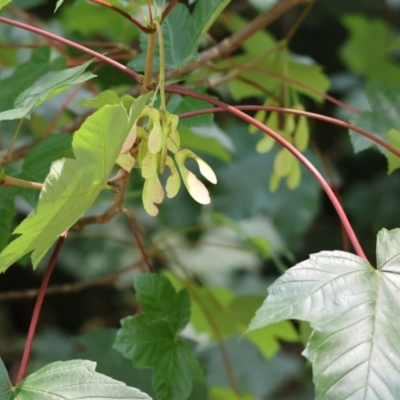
393	160
4	3
223	393
76	379
71	186
348	304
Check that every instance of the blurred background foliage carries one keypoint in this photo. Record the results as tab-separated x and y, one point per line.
231	250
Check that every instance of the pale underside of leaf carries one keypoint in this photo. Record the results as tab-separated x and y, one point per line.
76	379
355	344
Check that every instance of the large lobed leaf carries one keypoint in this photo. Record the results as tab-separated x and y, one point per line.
69	380
151	340
72	185
352	308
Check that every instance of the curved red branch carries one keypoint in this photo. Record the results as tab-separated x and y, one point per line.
67	42
268	131
308	114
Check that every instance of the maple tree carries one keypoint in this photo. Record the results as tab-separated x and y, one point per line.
125	147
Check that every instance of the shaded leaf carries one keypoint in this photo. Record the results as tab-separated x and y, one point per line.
39	93
25	75
348	304
206	140
366	50
150	340
180	49
384	115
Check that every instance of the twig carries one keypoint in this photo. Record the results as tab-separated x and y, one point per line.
233	42
138	241
68	288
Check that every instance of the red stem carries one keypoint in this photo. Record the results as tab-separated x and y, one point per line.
302	85
308	114
170	6
124	14
67	42
235	111
38	307
220	104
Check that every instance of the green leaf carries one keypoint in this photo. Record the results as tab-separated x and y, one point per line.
366	51
204	15
76	379
393	160
7	213
196	139
384	115
223	393
38	162
25	75
108	97
72	185
221	314
74	17
349	305
180	49
4	3
151	340
98	347
39	93
187	104
277	62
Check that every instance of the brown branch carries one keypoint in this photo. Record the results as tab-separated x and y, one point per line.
233	42
68	287
120	180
